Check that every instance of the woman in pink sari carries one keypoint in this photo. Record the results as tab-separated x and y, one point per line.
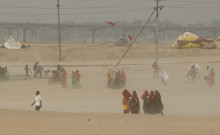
211	80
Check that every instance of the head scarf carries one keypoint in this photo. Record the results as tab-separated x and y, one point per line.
126	93
135	94
152	96
145	92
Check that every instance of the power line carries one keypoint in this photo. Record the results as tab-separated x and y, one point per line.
69	14
186	1
69	7
185	7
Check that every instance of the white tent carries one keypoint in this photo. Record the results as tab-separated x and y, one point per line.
12	43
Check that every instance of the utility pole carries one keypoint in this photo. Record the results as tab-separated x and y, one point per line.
157	40
59	34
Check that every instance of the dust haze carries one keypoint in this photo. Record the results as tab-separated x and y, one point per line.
189	107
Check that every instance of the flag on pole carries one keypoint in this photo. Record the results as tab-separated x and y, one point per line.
111	23
130	37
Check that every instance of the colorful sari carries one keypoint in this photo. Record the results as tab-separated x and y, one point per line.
64	78
211	80
126	101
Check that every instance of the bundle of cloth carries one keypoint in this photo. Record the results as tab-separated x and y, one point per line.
189	40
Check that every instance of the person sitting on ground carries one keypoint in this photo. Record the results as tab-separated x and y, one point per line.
134	104
126	101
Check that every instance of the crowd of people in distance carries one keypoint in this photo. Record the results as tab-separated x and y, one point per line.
194	70
210	76
59	75
116	79
152	103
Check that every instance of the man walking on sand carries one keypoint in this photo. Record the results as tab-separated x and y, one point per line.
37	101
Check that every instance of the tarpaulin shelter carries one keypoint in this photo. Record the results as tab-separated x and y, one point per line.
12	43
189	40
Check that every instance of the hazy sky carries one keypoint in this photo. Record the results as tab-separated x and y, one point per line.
44	11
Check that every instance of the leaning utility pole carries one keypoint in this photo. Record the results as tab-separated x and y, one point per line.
157	41
59	35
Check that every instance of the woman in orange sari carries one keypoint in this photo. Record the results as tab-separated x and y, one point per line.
126	101
64	78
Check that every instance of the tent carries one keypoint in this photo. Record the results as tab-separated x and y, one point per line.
12	43
189	40
120	41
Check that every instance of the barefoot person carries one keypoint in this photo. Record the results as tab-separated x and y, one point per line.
27	75
37	101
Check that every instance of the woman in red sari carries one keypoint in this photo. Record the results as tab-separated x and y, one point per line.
64	78
211	80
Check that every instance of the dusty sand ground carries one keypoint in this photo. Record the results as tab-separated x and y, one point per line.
189	108
54	123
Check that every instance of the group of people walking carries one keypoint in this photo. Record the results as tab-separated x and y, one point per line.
194	70
75	77
116	79
152	103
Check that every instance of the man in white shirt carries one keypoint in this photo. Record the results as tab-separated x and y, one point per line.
37	101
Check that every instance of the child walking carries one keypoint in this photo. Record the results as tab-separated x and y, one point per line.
27	75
